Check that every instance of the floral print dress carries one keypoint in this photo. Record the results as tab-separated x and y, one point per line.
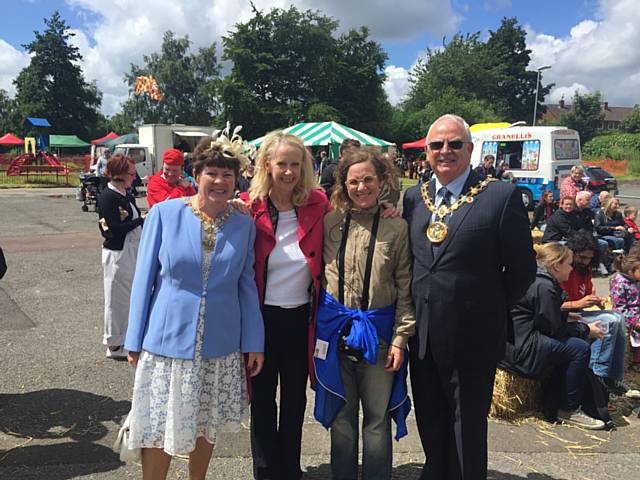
625	296
176	401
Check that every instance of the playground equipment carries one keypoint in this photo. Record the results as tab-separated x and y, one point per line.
32	156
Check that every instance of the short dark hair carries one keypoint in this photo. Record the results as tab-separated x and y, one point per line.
583	240
348	143
205	155
118	165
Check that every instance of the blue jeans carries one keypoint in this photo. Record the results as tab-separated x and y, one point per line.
607	354
616	243
371	385
570	357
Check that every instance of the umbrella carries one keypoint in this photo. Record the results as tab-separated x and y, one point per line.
108	136
10	139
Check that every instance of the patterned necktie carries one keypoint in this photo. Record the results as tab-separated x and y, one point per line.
445	194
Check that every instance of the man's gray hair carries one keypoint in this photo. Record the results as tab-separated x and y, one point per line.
577	168
459	120
583	194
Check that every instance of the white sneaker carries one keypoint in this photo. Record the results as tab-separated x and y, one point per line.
632	393
116	352
580	419
602	270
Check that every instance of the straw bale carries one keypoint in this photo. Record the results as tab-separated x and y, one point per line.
514	396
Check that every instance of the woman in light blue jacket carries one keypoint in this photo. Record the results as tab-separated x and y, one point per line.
194	313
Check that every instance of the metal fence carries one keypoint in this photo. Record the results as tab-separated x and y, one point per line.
71	179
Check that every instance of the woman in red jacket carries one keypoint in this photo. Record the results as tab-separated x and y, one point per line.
288	210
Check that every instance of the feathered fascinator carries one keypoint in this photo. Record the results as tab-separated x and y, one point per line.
231	145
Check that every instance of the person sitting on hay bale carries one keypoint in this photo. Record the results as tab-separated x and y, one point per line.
545	338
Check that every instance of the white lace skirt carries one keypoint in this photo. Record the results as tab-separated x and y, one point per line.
176	401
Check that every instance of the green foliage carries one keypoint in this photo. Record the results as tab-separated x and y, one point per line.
289	67
189	83
7	109
52	85
631	124
616	146
482	82
585	116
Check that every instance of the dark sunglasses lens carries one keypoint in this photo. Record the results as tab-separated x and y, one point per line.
436	145
456	144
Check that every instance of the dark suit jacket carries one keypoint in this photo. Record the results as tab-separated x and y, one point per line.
462	297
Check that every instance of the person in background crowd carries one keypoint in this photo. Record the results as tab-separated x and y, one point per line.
461	298
288	210
585	221
244	180
598	200
610	226
366	311
543	211
607	353
502	170
327	179
544	336
170	181
487	169
562	224
573	183
625	296
101	170
630	216
120	224
195	331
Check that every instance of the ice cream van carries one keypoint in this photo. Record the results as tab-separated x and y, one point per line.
539	157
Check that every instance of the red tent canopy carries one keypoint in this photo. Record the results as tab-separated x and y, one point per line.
10	139
108	136
417	144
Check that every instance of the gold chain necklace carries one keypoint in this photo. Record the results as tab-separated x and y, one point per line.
437	231
210	226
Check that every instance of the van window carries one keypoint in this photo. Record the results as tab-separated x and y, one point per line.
518	155
566	149
137	154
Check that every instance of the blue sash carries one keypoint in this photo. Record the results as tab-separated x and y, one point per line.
367	326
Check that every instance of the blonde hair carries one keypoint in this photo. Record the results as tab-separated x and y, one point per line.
261	183
607	206
552	254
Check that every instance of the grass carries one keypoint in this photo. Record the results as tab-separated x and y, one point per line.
37	181
408	182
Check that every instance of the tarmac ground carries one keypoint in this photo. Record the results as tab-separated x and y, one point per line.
62	401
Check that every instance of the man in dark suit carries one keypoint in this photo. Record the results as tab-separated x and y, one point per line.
463	287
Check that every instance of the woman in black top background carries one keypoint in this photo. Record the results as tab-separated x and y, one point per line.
120	223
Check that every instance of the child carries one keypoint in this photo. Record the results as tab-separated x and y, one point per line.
630	215
625	295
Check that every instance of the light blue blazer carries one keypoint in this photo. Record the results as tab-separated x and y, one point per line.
167	287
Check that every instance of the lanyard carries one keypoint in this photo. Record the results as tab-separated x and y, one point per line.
364	302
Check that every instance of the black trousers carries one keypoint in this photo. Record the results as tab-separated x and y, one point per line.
275	445
451	406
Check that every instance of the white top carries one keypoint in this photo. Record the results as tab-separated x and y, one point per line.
288	275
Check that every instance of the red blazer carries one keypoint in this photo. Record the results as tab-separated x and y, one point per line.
310	236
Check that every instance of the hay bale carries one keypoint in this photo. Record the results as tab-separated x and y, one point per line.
536	236
514	396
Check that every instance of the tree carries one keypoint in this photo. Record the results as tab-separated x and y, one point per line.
52	85
7	113
515	90
631	124
585	116
288	67
188	82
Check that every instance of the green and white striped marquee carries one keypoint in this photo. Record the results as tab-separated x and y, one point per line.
327	133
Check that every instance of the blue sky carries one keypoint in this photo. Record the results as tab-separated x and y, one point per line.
114	33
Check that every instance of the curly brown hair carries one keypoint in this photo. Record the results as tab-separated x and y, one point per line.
340	198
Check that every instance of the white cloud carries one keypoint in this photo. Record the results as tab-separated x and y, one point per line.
566	93
396	84
11	62
599	54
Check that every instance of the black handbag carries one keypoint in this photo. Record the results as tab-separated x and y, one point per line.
3	264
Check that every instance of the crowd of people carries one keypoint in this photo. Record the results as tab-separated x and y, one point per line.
252	279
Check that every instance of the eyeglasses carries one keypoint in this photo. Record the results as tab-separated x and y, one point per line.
453	144
368	181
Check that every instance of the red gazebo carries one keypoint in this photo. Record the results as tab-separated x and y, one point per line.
10	139
416	144
108	136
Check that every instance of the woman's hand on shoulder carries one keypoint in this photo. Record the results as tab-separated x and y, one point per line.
395	357
132	358
240	205
388	210
255	362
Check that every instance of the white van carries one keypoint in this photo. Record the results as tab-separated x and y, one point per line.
538	157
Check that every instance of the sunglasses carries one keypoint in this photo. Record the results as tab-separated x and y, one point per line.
453	144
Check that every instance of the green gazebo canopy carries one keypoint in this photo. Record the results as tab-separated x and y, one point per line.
67	141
